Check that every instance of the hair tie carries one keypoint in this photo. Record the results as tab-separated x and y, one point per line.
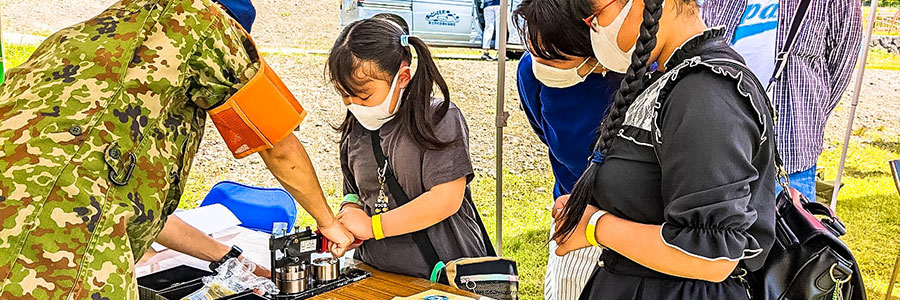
404	40
598	157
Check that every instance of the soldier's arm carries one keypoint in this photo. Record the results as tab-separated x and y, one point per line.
256	113
290	164
179	236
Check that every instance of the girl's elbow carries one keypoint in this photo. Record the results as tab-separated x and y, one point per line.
718	271
452	206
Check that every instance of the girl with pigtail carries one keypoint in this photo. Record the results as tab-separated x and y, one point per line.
679	191
424	145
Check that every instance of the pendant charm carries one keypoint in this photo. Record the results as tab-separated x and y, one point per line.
381	205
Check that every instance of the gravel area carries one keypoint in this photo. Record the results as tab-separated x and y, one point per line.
472	89
309	24
291	23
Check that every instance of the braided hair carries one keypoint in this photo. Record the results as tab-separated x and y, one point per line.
635	81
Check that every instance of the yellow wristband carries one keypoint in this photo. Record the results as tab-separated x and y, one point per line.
377	231
590	232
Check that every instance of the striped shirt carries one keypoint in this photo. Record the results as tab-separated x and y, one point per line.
817	72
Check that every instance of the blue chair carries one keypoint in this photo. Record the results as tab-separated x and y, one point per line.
256	207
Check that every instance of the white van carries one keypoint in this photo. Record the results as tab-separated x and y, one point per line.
449	23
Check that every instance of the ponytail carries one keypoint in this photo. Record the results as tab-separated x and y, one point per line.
633	84
419	116
384	41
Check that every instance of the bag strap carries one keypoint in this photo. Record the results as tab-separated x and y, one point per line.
489	247
419	237
782	55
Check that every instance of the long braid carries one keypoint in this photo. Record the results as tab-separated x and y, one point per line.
633	84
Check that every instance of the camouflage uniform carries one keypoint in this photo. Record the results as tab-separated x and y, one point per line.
97	133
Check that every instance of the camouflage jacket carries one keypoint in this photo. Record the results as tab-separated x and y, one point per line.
97	133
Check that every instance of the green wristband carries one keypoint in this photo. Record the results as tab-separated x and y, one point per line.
351	198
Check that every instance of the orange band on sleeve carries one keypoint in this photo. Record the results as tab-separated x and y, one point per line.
259	115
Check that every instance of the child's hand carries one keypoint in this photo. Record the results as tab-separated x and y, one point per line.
577	239
559	205
357	222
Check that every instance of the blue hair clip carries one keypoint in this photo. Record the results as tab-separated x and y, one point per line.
598	157
404	40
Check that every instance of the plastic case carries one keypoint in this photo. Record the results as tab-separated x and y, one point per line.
171	284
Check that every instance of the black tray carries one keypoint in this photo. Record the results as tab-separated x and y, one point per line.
175	283
170	283
347	277
181	290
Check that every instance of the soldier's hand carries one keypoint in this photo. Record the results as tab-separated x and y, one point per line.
339	236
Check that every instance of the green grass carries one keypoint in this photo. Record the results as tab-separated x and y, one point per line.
15	54
882	32
526	220
868	202
881	59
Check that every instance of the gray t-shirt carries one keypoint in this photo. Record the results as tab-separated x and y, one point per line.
417	169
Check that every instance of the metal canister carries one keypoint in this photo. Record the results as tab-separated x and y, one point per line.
326	268
292	279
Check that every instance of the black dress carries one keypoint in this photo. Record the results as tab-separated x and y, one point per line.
696	156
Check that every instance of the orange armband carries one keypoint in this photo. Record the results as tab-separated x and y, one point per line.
259	115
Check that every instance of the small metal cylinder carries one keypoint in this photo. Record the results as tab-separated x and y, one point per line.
292	280
326	268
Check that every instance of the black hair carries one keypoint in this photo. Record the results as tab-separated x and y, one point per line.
373	46
554	28
633	84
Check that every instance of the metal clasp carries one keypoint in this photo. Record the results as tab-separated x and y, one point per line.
113	175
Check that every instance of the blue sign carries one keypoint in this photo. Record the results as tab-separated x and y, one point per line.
757	19
442	18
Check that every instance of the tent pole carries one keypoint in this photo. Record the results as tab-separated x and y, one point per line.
501	119
859	81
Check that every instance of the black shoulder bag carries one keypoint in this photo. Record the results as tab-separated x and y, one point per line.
491	276
808	259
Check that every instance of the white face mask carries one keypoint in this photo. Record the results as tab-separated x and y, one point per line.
605	45
373	117
559	78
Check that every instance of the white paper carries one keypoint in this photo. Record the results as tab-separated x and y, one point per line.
157	247
208	219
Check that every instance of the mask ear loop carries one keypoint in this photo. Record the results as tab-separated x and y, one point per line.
593	69
399	96
583	63
589	72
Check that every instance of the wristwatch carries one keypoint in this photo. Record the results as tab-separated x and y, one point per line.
233	253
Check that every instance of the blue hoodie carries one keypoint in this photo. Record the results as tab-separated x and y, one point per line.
566	120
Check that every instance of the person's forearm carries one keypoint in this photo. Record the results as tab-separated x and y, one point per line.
424	211
643	244
179	236
290	164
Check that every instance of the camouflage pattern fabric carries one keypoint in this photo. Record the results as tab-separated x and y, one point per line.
97	133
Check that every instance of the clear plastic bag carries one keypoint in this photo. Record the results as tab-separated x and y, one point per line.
232	277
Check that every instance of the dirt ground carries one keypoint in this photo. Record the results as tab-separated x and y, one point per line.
313	24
